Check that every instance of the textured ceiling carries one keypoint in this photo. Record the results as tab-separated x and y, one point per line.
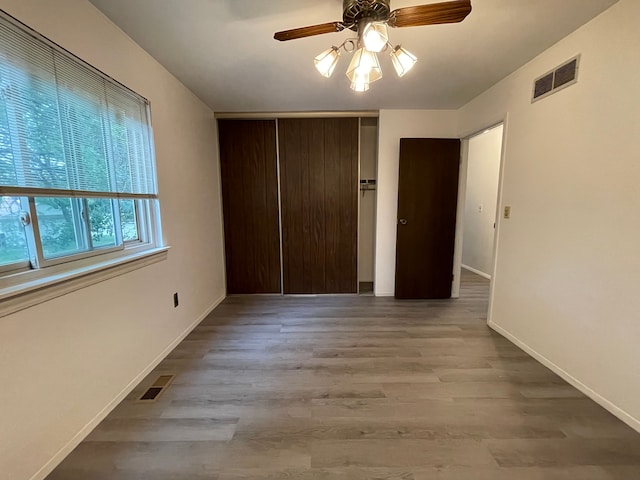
224	51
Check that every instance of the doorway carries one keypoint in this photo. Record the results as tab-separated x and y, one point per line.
479	209
367	204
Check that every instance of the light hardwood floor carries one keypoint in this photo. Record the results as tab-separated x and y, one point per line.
355	388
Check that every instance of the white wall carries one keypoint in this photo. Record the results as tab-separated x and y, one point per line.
567	267
394	125
483	172
368	167
65	361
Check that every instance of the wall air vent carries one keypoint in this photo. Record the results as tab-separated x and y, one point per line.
152	393
557	79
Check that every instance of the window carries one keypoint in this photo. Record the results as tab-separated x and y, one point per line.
77	172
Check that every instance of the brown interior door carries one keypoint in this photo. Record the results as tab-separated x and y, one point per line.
248	164
319	197
427	200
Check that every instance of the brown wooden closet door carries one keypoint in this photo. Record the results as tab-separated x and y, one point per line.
248	164
319	196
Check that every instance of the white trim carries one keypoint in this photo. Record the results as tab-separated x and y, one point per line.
40	290
484	130
17	267
88	428
493	123
13	191
462	198
504	121
498	217
477	272
589	392
277	115
384	294
459	235
375	206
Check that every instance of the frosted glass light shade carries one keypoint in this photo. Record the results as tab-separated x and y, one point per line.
375	36
326	62
361	81
403	61
359	87
364	65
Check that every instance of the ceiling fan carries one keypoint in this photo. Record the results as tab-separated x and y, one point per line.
370	19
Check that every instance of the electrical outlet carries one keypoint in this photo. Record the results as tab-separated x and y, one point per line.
507	212
175	300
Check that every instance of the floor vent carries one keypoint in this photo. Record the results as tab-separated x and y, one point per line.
154	391
555	80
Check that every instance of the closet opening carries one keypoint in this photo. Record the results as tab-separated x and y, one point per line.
299	203
367	204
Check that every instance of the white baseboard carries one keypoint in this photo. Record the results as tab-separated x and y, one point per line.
88	428
593	395
477	272
385	294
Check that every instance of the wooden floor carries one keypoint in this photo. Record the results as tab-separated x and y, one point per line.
354	388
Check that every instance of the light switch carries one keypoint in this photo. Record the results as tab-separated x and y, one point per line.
507	212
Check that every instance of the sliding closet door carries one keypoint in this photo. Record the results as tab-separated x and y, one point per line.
319	195
248	164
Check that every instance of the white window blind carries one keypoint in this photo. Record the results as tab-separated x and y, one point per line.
65	128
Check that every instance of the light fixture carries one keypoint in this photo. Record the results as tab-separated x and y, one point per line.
326	62
403	60
364	68
360	79
371	20
375	36
361	85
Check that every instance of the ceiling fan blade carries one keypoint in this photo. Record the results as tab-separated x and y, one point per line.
309	31
435	13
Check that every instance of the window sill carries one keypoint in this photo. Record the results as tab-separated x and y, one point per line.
19	295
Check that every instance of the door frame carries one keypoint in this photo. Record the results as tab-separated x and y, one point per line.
462	195
276	117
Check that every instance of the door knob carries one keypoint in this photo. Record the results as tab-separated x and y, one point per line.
403	221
